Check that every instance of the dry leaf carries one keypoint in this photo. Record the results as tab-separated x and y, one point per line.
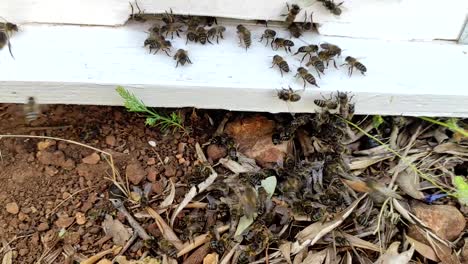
423	249
408	181
392	256
315	257
170	198
360	243
451	148
285	250
8	257
119	233
198	255
212	258
311	234
106	261
165	229
443	251
358	163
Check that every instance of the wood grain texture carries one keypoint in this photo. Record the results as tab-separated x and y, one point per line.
381	19
83	65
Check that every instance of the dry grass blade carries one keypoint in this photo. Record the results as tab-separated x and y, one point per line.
423	249
100	255
8	257
452	148
193	192
360	243
443	251
285	250
408	181
365	162
315	257
133	223
199	240
52	256
165	229
170	198
311	234
228	256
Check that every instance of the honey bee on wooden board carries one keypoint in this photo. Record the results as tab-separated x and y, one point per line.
292	13
268	34
288	95
244	36
306	76
31	110
332	6
282	43
216	32
6	30
317	64
182	57
282	64
354	63
307	50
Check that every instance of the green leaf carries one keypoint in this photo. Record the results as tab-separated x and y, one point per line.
244	223
270	185
151	121
462	189
377	120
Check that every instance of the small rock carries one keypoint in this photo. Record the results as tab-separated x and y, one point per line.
21	178
110	140
23	252
181	147
12	208
45	144
181	161
50	171
72	238
151	161
69	164
151	175
42	227
445	220
22	216
80	218
64	221
157	188
65	195
169	171
51	158
92	159
215	152
179	156
135	172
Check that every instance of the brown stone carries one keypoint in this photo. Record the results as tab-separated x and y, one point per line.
445	220
42	227
42	145
50	171
151	161
93	159
55	158
110	140
80	218
157	188
64	221
151	175
72	238
215	152
12	208
23	252
135	172
169	171
181	147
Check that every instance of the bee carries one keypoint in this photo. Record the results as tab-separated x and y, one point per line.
31	110
354	63
308	50
331	6
244	36
268	34
158	43
191	35
169	18
331	48
307	25
210	20
292	13
6	30
326	103
155	29
288	95
182	57
280	42
172	28
326	56
345	105
136	16
317	63
193	22
295	30
167	248
217	32
282	64
306	76
202	36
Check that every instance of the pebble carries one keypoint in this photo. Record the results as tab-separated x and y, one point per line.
64	221
42	227
151	175
50	171
169	171
135	172
23	252
445	220
215	152
92	159
45	144
151	161
80	218
181	147
110	140
12	208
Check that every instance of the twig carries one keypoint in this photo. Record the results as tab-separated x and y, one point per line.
129	243
199	240
165	229
98	256
118	204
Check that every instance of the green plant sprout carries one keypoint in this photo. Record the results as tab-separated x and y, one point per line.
134	104
450	124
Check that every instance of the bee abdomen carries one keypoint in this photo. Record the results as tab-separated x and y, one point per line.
284	66
202	37
360	67
247	40
320	103
288	43
310	79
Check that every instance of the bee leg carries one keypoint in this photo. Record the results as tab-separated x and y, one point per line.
189	61
177	33
303	57
217	40
304	82
186	42
318	73
281	71
177	65
207	39
334	63
167	53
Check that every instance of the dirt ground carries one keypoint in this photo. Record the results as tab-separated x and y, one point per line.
50	187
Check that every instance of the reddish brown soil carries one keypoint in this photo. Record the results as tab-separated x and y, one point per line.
41	182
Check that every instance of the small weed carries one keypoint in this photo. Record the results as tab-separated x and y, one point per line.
134	104
451	124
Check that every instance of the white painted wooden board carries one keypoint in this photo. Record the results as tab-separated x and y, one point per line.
381	19
83	65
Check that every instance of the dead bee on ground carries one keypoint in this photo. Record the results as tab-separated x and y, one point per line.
332	49
202	36
167	248
295	30
136	16
307	50
292	13
331	6
281	42
244	36
31	110
306	76
288	95
317	63
182	57
282	64
172	28
268	34
6	30
354	63
288	132
157	42
326	56
217	32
